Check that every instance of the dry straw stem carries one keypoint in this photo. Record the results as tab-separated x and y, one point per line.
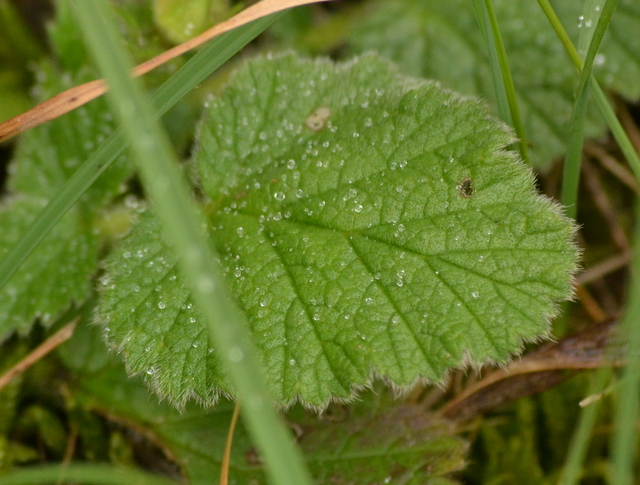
75	97
226	459
39	352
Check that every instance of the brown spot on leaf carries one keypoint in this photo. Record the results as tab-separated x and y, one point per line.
316	120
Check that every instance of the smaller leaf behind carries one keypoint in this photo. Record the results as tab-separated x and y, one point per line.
57	273
442	40
60	269
369	224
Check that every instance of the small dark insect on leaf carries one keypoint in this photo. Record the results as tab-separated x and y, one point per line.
466	188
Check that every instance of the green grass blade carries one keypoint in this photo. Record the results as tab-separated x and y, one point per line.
578	448
628	405
616	129
501	73
571	177
84	473
573	158
494	62
587	23
561	33
596	39
625	435
601	100
212	56
182	222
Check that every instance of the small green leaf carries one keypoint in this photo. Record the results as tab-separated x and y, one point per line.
442	40
136	27
60	270
56	273
369	224
180	21
48	155
401	444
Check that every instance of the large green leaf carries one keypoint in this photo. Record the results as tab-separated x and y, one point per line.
442	40
369	224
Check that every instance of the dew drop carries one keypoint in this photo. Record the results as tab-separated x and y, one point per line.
205	285
161	305
279	196
236	354
475	294
292	362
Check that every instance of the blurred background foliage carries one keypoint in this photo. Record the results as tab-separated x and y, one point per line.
78	404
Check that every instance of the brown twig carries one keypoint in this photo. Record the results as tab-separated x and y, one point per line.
590	304
609	162
603	268
592	182
70	451
80	95
39	352
629	125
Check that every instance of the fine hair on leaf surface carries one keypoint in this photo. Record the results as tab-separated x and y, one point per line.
369	224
